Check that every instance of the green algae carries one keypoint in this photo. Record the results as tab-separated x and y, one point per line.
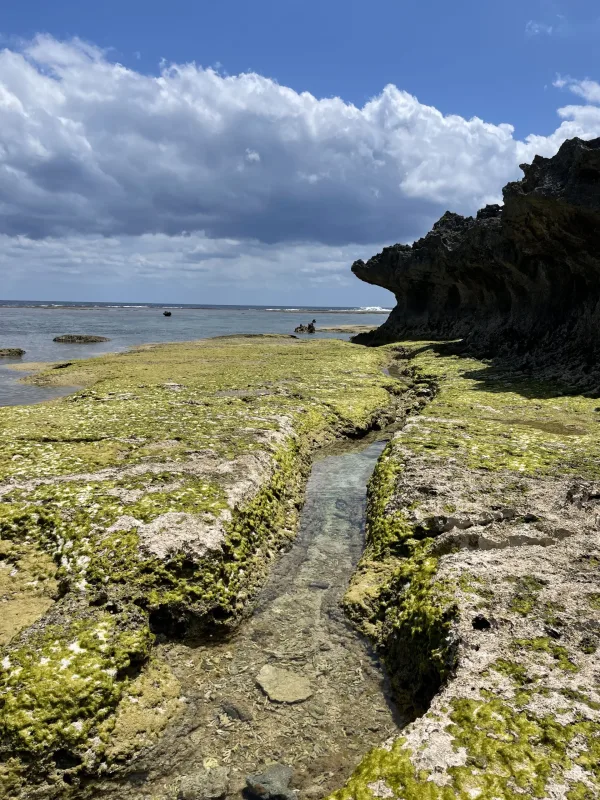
28	585
594	600
526	592
171	394
149	704
411	612
56	686
506	422
490	422
543	644
508	754
517	672
152	433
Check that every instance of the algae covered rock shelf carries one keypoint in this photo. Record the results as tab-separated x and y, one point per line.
480	584
150	503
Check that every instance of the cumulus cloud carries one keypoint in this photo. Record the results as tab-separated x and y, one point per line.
193	169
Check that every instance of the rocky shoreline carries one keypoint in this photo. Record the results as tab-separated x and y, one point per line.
518	283
150	503
141	516
480	587
479	584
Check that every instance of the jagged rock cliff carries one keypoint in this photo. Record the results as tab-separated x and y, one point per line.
520	280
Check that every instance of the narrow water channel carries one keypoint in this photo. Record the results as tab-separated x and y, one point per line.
298	626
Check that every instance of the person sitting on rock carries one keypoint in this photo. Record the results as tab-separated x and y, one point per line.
310	328
300	329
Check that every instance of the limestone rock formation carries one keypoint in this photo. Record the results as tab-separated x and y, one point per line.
480	587
11	352
77	338
520	280
147	506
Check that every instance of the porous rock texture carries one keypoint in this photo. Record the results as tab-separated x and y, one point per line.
480	585
519	281
150	503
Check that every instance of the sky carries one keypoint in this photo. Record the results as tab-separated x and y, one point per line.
249	152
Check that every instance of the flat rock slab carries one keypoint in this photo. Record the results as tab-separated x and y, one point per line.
272	784
283	686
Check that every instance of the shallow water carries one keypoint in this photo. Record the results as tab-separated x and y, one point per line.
297	625
33	329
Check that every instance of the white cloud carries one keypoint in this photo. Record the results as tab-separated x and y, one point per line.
588	89
534	28
188	268
196	172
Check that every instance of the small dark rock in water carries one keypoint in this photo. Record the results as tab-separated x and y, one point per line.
237	711
11	352
207	784
166	313
77	338
272	784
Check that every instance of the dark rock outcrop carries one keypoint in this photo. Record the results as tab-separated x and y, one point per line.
11	352
76	338
522	280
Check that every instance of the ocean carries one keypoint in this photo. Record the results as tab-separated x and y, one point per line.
33	325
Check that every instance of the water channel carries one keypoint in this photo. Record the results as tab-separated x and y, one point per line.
299	626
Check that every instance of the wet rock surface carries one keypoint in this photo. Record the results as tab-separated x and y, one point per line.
206	784
282	685
518	282
272	784
298	631
144	509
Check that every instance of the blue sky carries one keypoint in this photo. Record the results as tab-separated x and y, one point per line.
129	175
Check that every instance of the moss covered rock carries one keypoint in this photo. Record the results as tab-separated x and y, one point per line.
153	499
480	586
79	338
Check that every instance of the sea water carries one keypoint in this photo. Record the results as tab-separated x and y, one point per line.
33	326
